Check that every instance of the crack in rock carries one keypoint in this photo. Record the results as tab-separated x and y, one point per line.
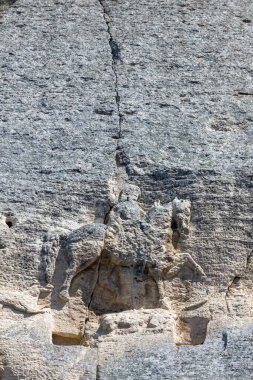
98	372
122	170
225	340
235	280
96	281
115	52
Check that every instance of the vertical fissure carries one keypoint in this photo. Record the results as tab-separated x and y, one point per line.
115	53
121	163
95	282
233	283
98	372
98	264
225	339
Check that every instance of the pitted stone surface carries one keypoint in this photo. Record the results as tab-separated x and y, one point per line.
126	189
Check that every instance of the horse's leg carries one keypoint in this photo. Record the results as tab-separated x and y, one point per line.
195	266
64	291
180	261
160	287
77	265
73	259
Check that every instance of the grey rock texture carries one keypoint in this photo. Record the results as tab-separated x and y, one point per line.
126	196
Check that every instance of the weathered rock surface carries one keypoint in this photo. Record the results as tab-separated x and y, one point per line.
126	203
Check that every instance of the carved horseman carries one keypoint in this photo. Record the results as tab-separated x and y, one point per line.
133	237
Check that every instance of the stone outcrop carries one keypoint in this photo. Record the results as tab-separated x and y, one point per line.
126	190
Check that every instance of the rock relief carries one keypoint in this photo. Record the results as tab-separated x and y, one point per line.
139	246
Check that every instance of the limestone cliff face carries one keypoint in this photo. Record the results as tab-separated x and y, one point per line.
126	195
